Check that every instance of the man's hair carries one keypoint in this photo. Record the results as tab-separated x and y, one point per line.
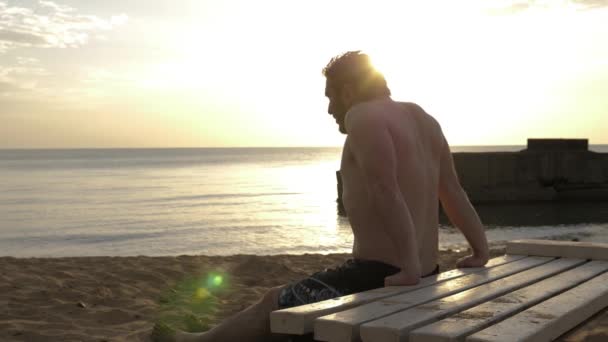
356	68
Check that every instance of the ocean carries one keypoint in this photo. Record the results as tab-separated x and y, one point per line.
216	201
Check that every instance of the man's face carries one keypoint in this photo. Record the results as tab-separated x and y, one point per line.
336	107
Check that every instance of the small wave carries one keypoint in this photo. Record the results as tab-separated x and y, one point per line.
207	196
82	238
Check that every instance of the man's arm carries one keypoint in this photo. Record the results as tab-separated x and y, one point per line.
372	146
461	213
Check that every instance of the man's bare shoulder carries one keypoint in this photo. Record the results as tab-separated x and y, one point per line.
411	106
367	108
378	114
416	110
366	114
375	111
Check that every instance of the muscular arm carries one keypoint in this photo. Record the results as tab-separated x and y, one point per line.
372	146
461	213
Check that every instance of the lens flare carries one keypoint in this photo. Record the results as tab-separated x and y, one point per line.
192	303
214	281
201	293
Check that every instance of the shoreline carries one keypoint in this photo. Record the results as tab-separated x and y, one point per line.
120	298
450	239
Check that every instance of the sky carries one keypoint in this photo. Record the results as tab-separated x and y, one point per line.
231	73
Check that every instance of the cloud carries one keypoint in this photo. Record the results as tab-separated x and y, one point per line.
11	88
8	87
21	76
27	61
21	37
519	6
56	7
516	7
589	4
50	25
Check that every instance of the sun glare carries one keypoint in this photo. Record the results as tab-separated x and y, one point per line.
464	65
481	70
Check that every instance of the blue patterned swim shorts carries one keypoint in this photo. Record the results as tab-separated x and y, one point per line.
351	277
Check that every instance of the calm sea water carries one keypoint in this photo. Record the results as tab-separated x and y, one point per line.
214	201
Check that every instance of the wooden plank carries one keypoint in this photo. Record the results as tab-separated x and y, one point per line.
299	320
564	249
457	327
552	318
396	327
344	325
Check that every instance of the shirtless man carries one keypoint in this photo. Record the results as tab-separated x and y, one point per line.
396	167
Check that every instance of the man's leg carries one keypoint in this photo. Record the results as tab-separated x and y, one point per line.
251	324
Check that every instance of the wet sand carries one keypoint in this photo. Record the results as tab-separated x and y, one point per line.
120	298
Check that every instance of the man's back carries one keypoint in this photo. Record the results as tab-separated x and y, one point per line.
416	144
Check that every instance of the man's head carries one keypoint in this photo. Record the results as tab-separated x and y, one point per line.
351	78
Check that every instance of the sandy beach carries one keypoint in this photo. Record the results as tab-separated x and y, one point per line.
120	298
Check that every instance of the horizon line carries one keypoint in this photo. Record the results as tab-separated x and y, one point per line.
224	147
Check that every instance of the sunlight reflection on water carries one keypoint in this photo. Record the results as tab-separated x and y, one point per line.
251	201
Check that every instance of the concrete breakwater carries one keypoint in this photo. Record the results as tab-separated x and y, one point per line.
547	170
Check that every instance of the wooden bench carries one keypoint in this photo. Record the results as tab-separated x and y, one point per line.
537	291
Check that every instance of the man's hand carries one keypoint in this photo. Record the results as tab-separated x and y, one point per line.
402	279
472	261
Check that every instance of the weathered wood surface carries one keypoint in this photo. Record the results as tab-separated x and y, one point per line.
564	249
460	325
396	327
299	320
344	325
550	319
537	292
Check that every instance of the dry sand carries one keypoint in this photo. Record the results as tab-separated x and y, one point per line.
120	298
